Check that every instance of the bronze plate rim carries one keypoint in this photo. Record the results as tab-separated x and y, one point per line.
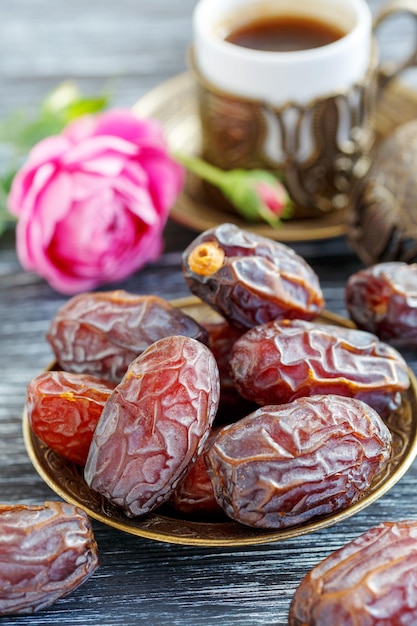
162	527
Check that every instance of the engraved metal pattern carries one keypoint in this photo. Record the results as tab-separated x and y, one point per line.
383	224
67	481
174	104
338	131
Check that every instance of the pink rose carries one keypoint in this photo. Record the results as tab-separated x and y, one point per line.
92	202
255	194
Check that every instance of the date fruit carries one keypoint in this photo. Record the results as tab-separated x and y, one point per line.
101	333
283	465
369	581
63	409
232	404
250	279
46	552
194	495
288	359
154	424
382	299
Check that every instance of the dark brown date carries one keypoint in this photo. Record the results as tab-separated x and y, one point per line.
154	424
194	495
232	404
287	359
282	466
250	279
382	299
63	409
46	552
370	581
101	333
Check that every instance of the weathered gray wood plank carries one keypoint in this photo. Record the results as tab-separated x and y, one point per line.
133	45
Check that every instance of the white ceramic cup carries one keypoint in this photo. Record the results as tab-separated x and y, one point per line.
280	77
307	114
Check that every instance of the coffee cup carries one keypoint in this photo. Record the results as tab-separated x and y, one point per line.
291	86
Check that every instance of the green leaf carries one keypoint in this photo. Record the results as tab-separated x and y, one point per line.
66	103
59	98
5	224
5	185
11	127
38	130
6	219
86	106
23	129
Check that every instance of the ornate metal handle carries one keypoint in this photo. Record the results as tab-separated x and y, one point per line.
389	70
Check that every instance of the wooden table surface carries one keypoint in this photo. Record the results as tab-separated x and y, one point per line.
133	46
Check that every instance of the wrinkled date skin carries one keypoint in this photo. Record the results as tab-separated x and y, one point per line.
63	409
282	466
288	359
101	333
194	495
154	424
232	405
250	279
382	299
46	552
371	581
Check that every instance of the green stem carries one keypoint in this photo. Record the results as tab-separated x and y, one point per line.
269	218
203	170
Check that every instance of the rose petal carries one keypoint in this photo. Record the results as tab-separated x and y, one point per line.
51	148
80	129
27	184
54	203
98	147
173	176
125	124
92	204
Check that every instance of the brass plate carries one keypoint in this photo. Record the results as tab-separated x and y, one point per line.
66	479
174	104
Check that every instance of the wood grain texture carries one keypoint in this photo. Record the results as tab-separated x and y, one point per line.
142	581
133	45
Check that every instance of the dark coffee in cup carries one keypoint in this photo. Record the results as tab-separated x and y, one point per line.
285	33
307	114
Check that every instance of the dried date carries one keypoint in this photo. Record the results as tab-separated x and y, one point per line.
288	359
194	495
46	552
250	279
232	404
63	409
370	581
154	425
282	466
101	333
382	299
